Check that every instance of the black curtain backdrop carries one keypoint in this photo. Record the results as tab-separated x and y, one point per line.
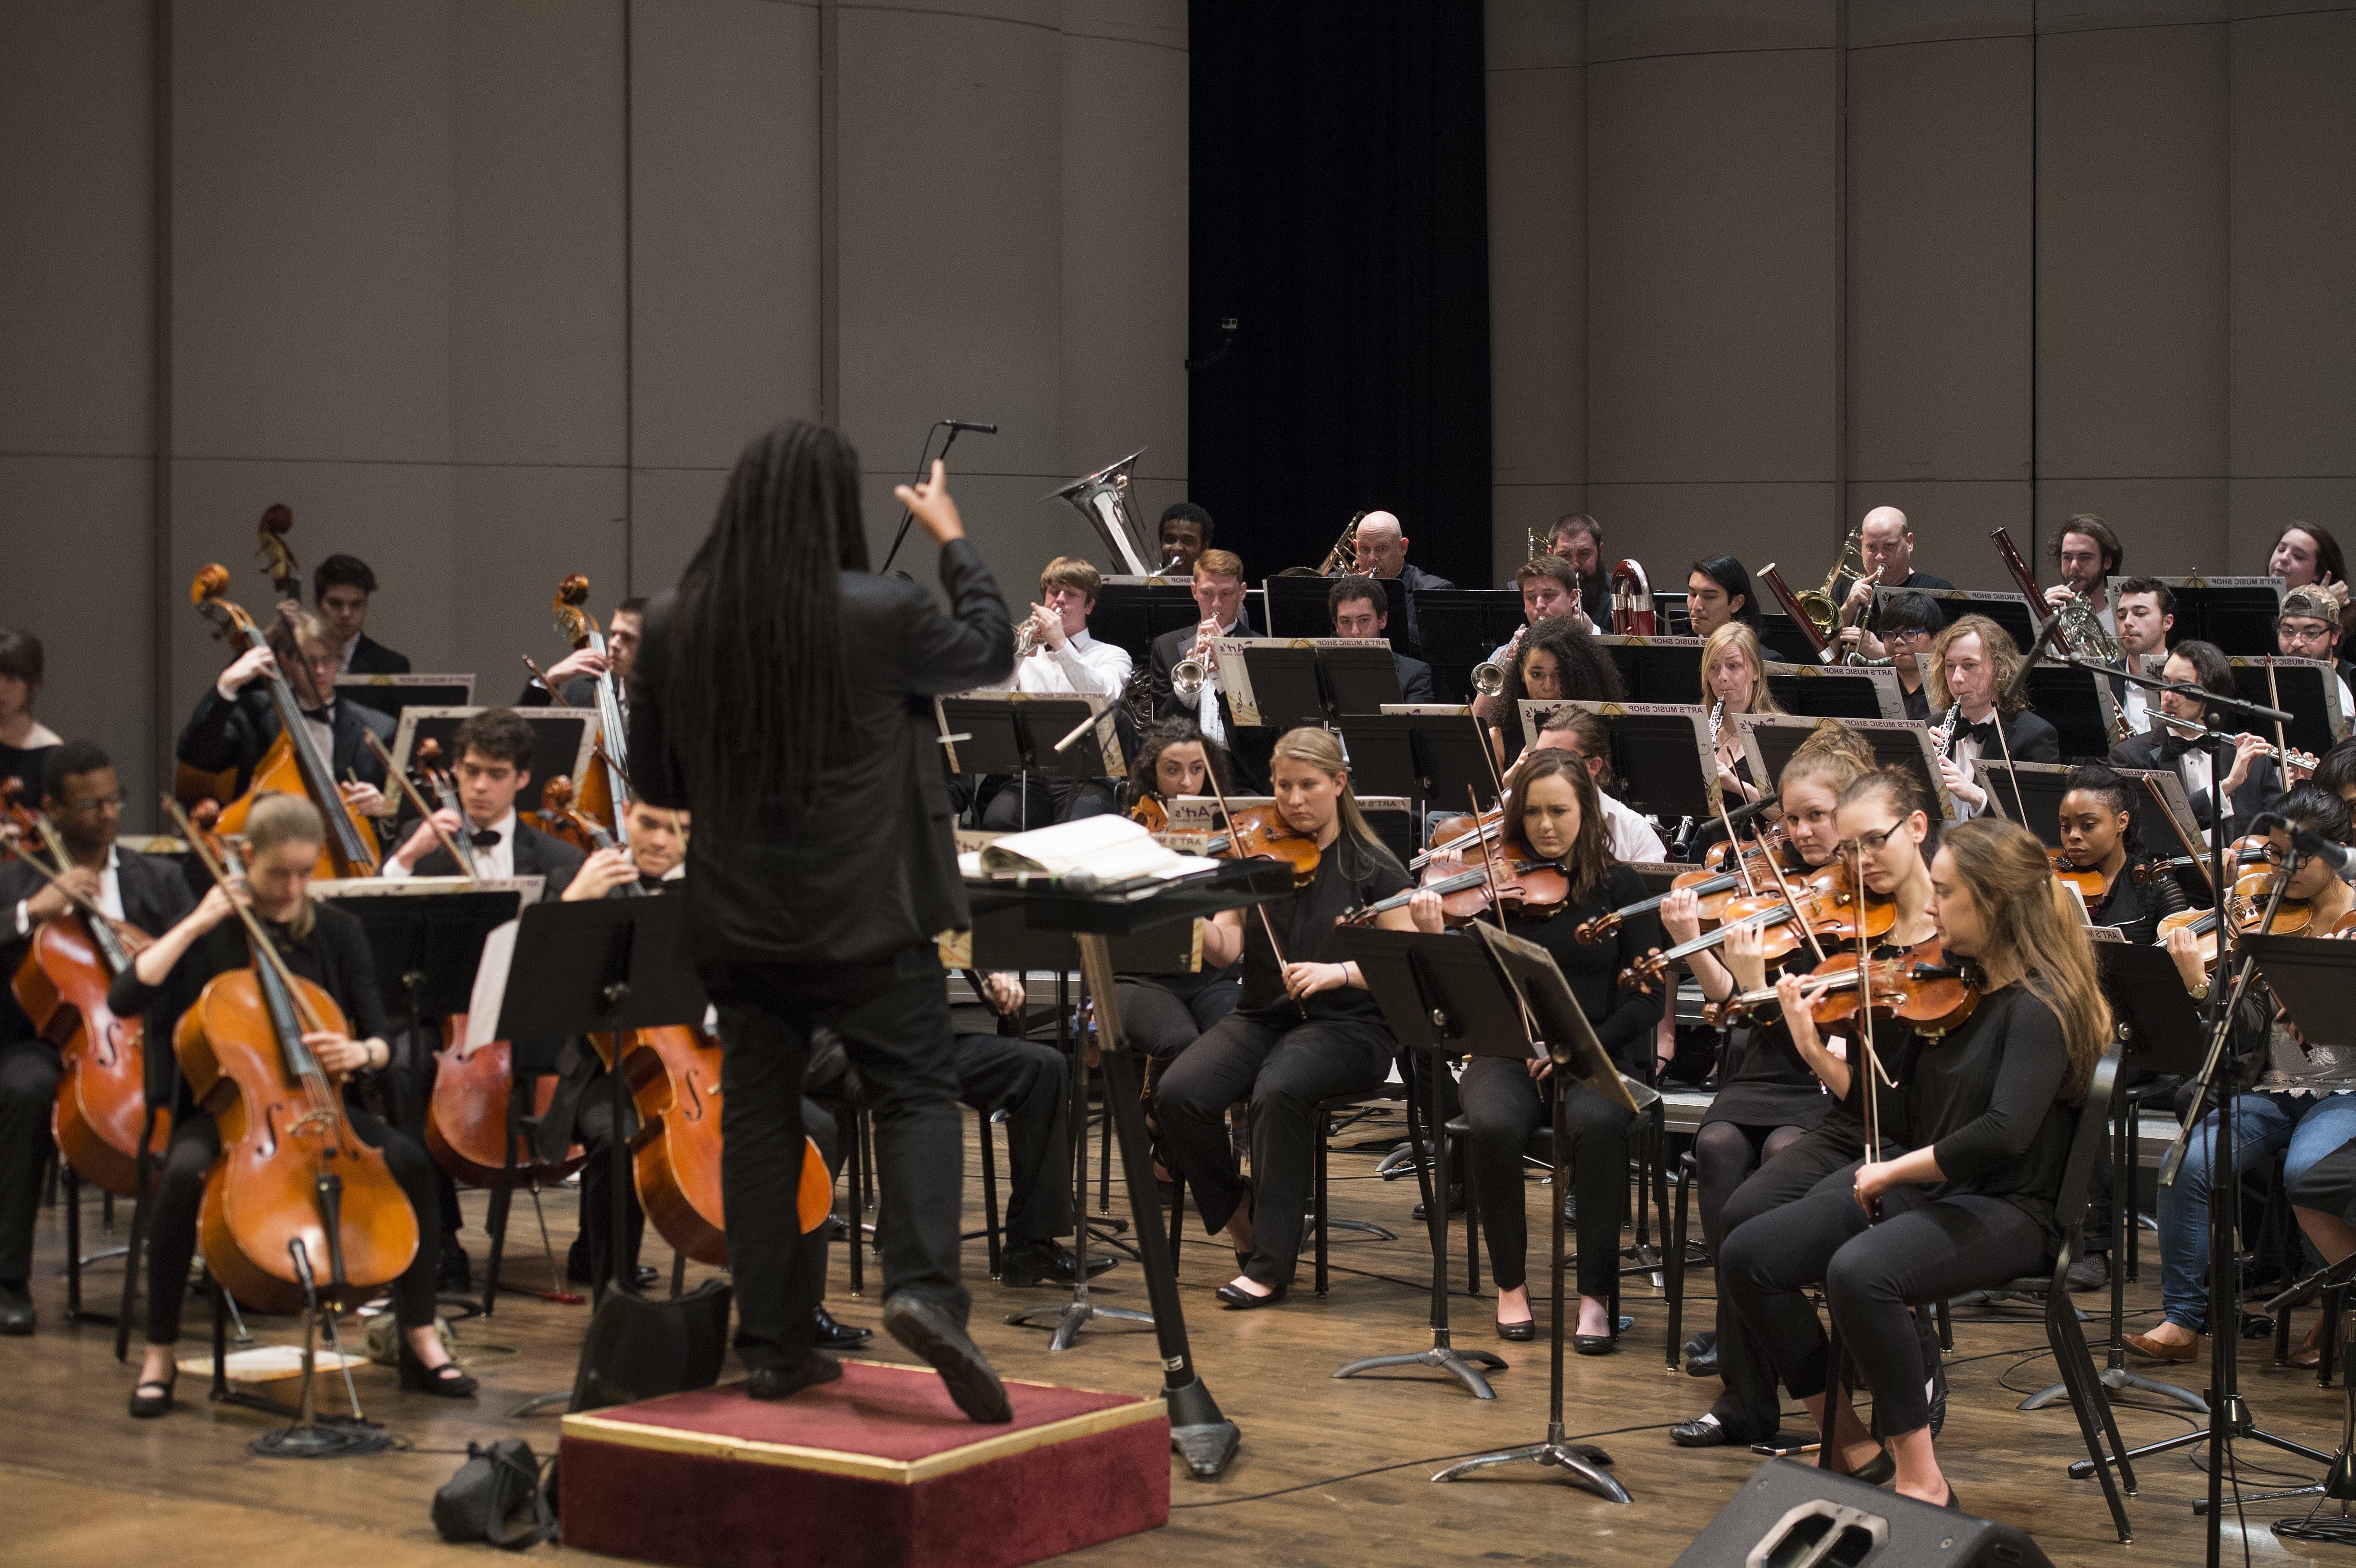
1340	215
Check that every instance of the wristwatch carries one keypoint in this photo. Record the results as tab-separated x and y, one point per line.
2198	993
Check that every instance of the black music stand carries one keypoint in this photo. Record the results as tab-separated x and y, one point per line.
1443	995
1458	627
2013	611
1131	614
1200	1434
2309	692
999	734
2236	613
391	694
1834	691
427	938
1658	669
1660	755
2164	1037
2315	979
2080	706
1433	758
1579	1057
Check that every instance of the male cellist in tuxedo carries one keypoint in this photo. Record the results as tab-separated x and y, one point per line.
82	797
234	724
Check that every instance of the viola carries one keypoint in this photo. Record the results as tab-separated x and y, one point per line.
2241	852
1824	904
293	764
1522	881
605	795
1917	987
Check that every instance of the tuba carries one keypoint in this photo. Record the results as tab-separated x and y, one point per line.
1106	500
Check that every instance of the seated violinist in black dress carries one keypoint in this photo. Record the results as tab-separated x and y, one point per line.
325	946
1989	1111
1165	1014
2097	823
1554	811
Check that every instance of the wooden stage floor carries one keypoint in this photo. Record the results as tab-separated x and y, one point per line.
87	1486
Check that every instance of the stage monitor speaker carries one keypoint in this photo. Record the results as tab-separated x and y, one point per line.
1795	1516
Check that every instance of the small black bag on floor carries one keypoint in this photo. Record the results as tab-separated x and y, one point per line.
492	1489
642	1347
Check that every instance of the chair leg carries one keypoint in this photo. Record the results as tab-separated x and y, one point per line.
1673	1281
1837	1395
2089	1401
855	1167
990	1195
1325	1133
1471	1237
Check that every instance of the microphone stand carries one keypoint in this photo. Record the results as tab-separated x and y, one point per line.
922	467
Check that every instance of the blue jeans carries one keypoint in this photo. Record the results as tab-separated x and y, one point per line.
2263	1124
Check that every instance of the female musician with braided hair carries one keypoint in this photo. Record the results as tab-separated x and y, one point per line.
781	695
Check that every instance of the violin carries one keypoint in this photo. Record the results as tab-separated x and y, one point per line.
293	1174
20	825
62	986
2241	852
1916	987
1517	881
1451	836
1151	813
293	764
2089	883
2245	906
1824	904
605	795
1714	886
1261	830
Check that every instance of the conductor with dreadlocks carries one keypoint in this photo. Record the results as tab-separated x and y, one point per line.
783	693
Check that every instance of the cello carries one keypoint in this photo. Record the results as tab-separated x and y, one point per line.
62	986
293	764
297	1200
605	793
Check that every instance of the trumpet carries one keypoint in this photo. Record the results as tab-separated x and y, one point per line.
1345	553
1489	674
1028	639
1187	679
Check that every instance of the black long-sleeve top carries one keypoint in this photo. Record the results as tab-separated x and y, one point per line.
334	955
1623	1021
2137	908
1987	1101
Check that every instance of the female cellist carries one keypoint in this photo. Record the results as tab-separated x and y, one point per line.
1734	682
1767	1098
2097	823
1165	1014
1988	1114
1555	812
1307	1029
1883	818
326	947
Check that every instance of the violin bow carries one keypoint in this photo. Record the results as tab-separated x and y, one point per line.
463	857
1793	904
1234	844
1734	847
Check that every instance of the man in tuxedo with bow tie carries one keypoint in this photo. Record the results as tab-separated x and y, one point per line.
2252	784
234	727
1971	670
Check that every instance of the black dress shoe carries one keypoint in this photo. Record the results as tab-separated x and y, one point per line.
929	1332
1455	1204
1527	1328
16	1310
1703	1363
1594	1344
1244	1300
448	1381
1045	1263
1704	1431
1878	1471
145	1406
776	1382
834	1335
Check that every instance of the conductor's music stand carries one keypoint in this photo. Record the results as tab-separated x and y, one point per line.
1438	994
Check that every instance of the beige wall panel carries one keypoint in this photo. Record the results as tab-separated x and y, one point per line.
536	260
2131	253
311	201
2168	525
725	233
519	531
1709	283
1123	349
1016	532
2261	508
671	512
77	249
951	237
1622	30
101	666
1669	526
1537	283
395	516
2294	265
1952	519
1162	22
1533	35
1939	261
2098	15
1872	23
1520	508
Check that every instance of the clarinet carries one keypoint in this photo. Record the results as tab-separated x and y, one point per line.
1944	735
1716	709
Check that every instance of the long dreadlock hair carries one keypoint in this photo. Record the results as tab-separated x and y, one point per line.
759	702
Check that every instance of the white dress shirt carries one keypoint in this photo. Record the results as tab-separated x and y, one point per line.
1083	666
1629	835
110	893
490	859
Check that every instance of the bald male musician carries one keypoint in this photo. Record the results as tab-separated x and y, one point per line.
1885	544
82	797
1382	552
234	724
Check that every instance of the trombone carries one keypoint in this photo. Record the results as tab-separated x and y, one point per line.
1342	557
1818	604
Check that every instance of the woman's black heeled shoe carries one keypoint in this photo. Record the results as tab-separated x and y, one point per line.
1527	1328
448	1381
1594	1344
145	1407
1878	1471
1244	1300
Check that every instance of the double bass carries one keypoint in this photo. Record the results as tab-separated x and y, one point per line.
605	795
293	764
293	1173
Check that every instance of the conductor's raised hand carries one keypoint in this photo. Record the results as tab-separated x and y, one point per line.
930	504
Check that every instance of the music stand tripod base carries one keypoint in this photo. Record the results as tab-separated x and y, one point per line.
1069	1318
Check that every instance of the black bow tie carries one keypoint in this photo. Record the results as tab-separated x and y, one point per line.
652	884
321	715
1985	732
2173	746
484	837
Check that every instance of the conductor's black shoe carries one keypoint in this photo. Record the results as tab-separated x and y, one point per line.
835	1335
1704	1431
776	1382
928	1331
458	1270
15	1309
1045	1263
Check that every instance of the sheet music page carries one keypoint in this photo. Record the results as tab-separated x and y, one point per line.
490	984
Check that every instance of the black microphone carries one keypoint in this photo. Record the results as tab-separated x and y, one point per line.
970	424
1745	813
2306	840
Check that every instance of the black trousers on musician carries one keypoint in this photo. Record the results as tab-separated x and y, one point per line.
179	1194
1162	1023
1283	1073
1033	1083
894	1017
1725	1154
1924	1250
29	1070
1503	1106
1746	1406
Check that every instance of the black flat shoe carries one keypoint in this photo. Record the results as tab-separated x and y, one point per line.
1594	1344
1045	1262
1244	1300
448	1381
778	1382
836	1335
1527	1328
1878	1471
16	1315
937	1338
1952	1502
147	1407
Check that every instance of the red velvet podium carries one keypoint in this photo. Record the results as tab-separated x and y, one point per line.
878	1468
